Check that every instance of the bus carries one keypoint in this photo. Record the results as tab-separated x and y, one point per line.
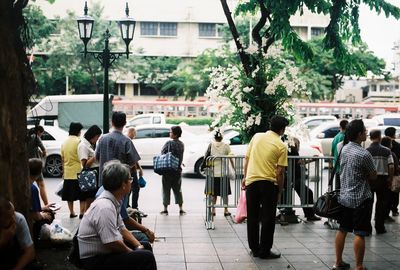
201	108
345	110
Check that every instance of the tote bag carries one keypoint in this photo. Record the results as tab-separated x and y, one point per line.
165	163
87	180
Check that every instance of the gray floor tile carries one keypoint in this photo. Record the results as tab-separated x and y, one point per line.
170	258
201	259
170	266
309	266
269	265
239	266
241	258
203	266
301	258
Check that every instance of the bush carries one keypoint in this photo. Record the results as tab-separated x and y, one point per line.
190	121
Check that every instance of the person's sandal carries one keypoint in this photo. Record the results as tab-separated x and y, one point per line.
165	212
181	212
227	214
341	266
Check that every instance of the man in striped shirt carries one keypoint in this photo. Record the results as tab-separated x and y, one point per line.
104	241
357	169
383	161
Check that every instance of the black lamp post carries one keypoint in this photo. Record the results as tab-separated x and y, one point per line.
106	57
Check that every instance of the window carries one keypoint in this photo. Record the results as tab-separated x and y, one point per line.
144	133
161	133
317	31
47	137
207	30
139	121
331	133
122	89
149	28
168	29
157	120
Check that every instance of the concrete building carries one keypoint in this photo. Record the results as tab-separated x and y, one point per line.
174	27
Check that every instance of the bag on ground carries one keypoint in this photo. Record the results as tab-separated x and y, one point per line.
241	210
328	206
87	180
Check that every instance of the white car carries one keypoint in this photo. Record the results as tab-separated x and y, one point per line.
194	154
147	118
151	138
52	139
313	121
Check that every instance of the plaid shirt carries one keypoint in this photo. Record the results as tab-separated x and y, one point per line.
115	145
356	164
176	147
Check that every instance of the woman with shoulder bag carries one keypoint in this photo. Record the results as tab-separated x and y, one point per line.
86	150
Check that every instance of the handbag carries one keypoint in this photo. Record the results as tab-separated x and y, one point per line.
241	209
87	180
165	163
73	255
327	205
395	184
142	182
207	154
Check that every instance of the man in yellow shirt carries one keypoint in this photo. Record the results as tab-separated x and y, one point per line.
264	167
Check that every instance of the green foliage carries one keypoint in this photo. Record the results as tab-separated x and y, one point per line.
190	121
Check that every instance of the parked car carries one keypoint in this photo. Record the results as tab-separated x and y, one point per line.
52	139
389	119
151	138
194	155
147	118
313	121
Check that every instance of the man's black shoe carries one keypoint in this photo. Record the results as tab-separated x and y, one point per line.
254	253
313	218
381	231
270	255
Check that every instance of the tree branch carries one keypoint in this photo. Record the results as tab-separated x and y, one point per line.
244	58
263	20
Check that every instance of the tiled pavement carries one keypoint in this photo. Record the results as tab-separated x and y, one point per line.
184	243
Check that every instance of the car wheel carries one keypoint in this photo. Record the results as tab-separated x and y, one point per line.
197	168
53	166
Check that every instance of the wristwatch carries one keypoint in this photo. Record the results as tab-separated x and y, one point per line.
140	247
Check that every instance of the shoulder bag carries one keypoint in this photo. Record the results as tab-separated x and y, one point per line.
87	180
327	205
165	163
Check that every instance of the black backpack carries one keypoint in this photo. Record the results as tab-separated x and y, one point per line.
73	256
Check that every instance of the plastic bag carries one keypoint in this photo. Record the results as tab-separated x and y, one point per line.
59	233
241	210
59	189
142	182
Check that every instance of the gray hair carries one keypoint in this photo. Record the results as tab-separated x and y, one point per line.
114	175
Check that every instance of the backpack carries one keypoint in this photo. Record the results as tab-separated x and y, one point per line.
73	255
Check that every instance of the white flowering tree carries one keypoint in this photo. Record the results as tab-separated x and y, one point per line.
263	84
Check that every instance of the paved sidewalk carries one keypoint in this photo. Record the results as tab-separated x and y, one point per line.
183	243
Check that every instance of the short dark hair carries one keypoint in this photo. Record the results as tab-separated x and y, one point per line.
375	134
118	119
391	132
35	166
75	128
115	174
177	131
354	128
39	129
278	123
387	142
218	136
343	124
92	132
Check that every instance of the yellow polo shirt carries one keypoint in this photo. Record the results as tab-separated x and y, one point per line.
69	154
264	153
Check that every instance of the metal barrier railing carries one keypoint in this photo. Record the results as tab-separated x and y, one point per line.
224	175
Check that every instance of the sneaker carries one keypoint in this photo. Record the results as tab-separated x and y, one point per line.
341	266
164	213
313	218
269	255
182	213
395	214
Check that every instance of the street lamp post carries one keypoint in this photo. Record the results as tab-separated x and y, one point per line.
106	57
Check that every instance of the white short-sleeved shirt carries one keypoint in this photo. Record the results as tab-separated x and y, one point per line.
85	151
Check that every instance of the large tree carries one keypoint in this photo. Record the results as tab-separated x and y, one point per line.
17	85
273	26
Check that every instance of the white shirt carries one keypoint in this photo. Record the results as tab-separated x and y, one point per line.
86	151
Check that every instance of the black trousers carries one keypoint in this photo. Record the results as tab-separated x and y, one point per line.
135	189
308	199
382	203
394	201
142	259
261	198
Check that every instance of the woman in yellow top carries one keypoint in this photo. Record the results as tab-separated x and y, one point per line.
72	166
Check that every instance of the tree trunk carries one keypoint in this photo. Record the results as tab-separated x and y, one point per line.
16	82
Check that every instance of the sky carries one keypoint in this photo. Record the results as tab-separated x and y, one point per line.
380	32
